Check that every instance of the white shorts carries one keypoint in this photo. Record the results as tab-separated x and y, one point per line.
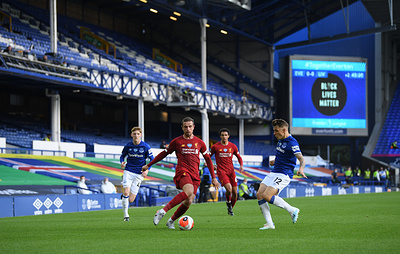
276	180
132	180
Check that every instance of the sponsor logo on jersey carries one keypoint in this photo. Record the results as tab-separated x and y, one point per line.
295	148
135	155
280	149
189	151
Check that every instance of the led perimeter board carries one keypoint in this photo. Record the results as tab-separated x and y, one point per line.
328	95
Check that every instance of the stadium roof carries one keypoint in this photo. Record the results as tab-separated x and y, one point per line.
267	22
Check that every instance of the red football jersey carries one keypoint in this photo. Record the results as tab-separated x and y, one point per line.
188	153
223	156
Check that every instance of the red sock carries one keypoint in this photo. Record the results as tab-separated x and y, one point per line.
233	201
175	201
179	212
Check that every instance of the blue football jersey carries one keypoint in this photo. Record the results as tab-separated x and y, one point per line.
136	156
285	159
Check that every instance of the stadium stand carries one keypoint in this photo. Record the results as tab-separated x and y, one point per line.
30	41
131	56
390	130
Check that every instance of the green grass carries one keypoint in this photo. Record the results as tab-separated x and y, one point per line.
363	223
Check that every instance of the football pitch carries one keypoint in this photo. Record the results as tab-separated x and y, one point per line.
362	223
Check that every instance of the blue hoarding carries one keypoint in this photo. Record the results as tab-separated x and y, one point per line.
6	207
45	204
90	202
112	201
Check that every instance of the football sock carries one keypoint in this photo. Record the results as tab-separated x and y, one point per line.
228	197
233	201
179	212
264	207
279	202
175	201
125	205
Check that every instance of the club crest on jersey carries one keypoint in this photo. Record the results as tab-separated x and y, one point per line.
284	145
141	150
189	145
195	144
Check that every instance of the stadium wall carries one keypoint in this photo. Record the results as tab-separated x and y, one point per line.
2	142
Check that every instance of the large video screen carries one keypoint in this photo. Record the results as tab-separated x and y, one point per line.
328	95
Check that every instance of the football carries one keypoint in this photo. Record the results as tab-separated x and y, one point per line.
186	223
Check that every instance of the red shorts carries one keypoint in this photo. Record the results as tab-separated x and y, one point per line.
225	178
181	180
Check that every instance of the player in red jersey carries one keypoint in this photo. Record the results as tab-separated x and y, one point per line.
224	151
187	149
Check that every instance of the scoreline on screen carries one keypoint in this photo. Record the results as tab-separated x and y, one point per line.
328	95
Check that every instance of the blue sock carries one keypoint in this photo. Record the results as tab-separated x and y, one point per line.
262	201
272	200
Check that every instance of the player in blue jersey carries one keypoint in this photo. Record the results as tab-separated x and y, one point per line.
132	159
287	152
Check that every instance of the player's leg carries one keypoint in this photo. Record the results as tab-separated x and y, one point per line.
228	195
127	180
132	192
234	195
190	191
279	182
125	202
262	194
179	198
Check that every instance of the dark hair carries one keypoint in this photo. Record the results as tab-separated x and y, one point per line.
224	130
187	119
280	123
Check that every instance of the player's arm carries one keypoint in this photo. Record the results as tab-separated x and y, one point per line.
158	158
212	151
122	158
210	165
151	157
272	162
240	160
300	157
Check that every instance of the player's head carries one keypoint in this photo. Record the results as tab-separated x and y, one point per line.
224	134
224	130
281	128
136	134
188	126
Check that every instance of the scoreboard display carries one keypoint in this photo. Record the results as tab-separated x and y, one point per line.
328	95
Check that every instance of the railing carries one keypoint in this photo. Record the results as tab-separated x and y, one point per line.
97	155
89	188
132	85
32	151
30	64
